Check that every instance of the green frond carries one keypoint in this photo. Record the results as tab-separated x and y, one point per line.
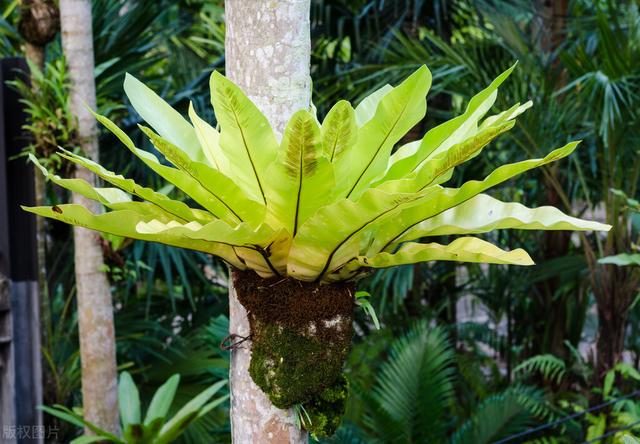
501	415
327	202
301	145
414	388
550	367
158	427
339	130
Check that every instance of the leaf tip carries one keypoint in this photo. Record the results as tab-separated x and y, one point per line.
216	77
604	227
526	260
129	80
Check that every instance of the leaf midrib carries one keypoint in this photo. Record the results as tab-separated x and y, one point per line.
300	178
246	148
360	228
393	127
201	184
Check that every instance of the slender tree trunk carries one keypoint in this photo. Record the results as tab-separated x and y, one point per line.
614	289
268	48
38	25
35	54
551	327
95	311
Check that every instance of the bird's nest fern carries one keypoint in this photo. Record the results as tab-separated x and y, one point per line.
324	205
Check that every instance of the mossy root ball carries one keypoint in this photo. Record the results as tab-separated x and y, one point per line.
300	334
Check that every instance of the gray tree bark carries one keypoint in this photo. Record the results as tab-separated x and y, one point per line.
267	49
95	311
38	26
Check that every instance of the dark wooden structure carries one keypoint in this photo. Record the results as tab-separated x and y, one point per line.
20	362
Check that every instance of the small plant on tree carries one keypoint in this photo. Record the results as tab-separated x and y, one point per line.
301	219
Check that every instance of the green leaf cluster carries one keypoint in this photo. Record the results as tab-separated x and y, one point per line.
157	427
328	202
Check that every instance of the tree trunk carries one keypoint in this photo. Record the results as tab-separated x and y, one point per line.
551	328
39	24
614	289
267	48
95	311
35	54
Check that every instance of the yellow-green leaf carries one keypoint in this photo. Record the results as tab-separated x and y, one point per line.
246	137
465	249
160	115
484	213
302	180
398	111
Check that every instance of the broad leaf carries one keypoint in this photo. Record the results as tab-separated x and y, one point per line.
246	138
465	249
317	250
302	179
247	241
105	196
215	231
366	109
209	139
444	198
215	203
483	213
179	210
447	134
124	222
187	414
339	131
162	400
128	400
622	260
398	111
227	199
68	415
271	259
163	118
204	411
440	168
113	198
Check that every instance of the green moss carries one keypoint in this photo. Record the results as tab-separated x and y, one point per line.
300	333
325	411
292	368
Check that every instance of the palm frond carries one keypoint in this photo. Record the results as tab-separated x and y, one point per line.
414	387
501	415
550	367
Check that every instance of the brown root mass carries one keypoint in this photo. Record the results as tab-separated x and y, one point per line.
300	333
